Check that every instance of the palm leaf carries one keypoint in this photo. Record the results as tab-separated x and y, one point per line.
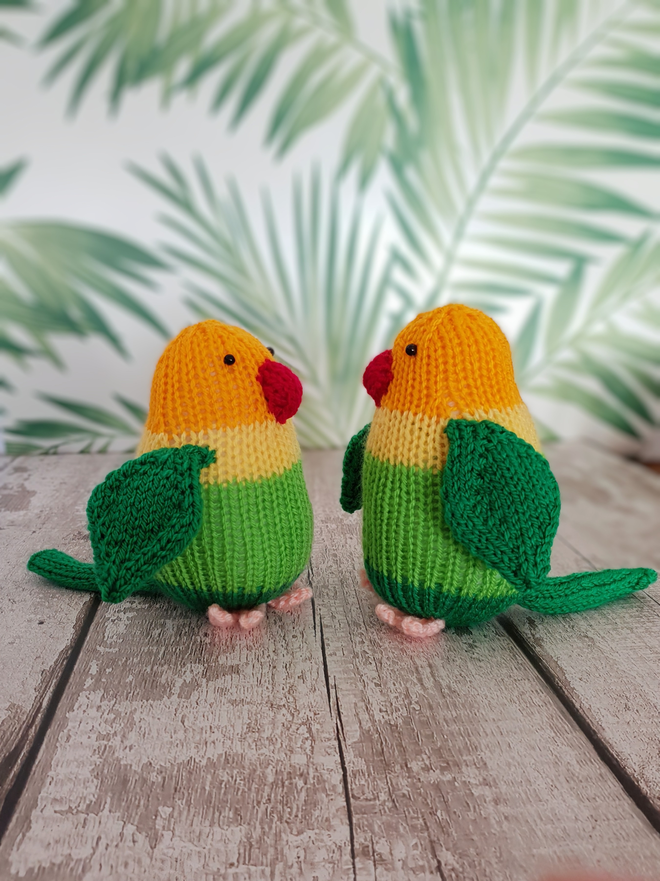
316	293
91	413
52	274
183	44
593	404
527	339
97	429
6	34
137	411
646	379
9	174
488	213
612	382
581	156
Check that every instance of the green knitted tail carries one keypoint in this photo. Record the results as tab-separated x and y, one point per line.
585	590
66	571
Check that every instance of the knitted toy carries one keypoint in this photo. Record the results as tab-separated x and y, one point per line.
214	512
460	506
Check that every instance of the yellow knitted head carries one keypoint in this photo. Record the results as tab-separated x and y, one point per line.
451	363
462	365
195	389
218	386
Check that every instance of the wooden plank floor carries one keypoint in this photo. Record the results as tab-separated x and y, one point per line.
136	743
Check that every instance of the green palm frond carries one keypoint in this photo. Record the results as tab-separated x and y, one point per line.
506	201
52	275
94	430
316	293
7	34
10	173
586	359
238	46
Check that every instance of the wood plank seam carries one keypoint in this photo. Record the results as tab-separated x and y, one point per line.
338	725
323	654
347	795
438	863
605	754
14	793
41	503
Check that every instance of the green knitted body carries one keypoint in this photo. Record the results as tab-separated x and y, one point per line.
254	542
411	558
415	562
460	508
244	542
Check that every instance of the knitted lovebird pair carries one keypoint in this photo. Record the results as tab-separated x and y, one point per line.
460	507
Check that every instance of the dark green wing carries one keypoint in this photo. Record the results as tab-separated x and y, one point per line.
500	500
351	481
143	516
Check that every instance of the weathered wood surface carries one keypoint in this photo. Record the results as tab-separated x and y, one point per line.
42	504
179	752
461	763
606	662
326	746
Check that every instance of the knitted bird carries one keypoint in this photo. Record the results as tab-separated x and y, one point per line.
460	506
214	511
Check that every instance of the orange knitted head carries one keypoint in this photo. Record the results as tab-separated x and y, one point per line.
214	376
450	361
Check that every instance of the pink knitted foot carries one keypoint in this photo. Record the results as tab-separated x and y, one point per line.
364	582
421	628
292	598
220	617
250	618
418	628
389	615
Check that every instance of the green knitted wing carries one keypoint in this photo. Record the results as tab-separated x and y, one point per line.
500	500
351	481
143	516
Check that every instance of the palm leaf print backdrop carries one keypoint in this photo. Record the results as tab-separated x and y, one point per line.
501	153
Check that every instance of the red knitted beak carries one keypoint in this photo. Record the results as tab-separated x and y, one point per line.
282	389
378	375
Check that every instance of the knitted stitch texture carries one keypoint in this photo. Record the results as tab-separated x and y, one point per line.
216	390
257	527
140	517
459	507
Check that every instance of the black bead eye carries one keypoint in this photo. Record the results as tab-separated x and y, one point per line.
271	350
411	349
229	359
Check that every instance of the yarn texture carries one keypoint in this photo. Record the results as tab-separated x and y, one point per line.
351	485
283	390
215	509
460	507
486	466
378	375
